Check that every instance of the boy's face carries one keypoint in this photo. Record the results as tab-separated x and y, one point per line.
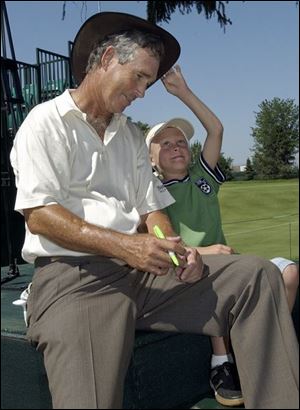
170	153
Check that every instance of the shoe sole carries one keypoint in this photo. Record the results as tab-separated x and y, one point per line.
229	402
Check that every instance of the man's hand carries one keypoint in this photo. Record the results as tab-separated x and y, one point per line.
193	270
147	253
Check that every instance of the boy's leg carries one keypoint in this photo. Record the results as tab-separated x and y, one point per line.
224	379
241	296
290	274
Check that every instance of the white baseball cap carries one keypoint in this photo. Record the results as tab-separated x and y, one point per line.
183	125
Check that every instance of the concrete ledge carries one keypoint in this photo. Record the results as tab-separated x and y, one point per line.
170	372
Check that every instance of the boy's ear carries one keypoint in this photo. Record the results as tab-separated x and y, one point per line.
107	57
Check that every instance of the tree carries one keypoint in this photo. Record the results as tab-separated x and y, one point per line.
158	11
249	171
276	137
195	149
226	166
143	126
225	163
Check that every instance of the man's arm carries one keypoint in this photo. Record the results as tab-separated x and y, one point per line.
141	251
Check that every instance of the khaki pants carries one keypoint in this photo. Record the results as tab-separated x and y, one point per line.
83	313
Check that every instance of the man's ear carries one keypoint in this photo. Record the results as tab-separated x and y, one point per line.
151	158
153	162
107	57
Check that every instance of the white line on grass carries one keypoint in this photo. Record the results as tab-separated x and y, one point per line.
260	229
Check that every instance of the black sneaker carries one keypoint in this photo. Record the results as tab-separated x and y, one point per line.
224	380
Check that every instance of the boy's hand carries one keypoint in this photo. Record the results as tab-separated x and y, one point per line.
217	249
174	81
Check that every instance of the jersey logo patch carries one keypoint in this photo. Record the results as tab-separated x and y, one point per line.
203	185
161	188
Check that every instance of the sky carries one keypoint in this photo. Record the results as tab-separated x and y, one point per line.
232	72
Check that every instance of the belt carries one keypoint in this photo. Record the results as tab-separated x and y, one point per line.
46	260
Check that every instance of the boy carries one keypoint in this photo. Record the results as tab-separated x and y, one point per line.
196	214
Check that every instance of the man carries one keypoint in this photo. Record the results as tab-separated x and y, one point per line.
85	185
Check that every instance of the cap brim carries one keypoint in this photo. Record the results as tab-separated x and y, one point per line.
184	125
97	27
180	123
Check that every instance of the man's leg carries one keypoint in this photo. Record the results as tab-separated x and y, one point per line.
85	331
244	297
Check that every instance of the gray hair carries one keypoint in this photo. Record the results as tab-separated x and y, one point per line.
125	44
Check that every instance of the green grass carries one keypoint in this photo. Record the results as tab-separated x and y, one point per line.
262	217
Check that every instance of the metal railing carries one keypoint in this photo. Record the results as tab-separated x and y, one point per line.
22	87
55	73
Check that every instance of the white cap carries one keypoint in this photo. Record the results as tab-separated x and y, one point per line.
183	125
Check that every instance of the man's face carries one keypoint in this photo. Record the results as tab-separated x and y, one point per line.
123	83
170	153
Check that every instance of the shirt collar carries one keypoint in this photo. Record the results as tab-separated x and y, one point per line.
65	104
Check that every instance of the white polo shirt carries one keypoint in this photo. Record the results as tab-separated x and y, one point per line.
58	157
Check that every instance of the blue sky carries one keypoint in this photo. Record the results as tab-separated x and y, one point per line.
257	58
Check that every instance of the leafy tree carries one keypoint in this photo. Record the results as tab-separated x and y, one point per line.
224	163
195	149
276	137
158	11
143	126
249	171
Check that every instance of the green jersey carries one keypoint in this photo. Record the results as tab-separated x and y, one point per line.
195	215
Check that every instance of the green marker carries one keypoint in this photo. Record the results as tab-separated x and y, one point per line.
160	235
